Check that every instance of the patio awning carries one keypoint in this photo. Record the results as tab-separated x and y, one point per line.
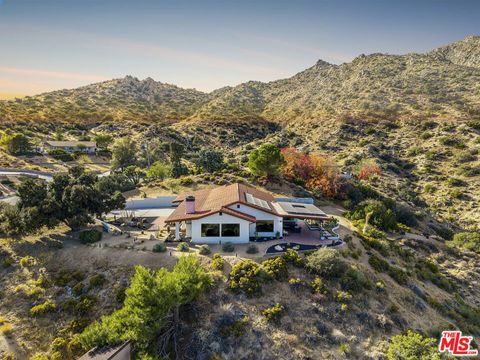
300	211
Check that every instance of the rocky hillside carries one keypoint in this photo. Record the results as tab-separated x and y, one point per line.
466	52
442	83
126	99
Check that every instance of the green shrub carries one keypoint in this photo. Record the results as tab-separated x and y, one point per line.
452	141
413	346
62	155
28	261
46	307
466	240
379	215
456	194
85	304
455	182
276	268
237	328
398	275
159	248
97	280
474	124
343	349
291	256
90	236
204	250
317	285
64	277
326	263
78	289
378	264
228	247
217	262
183	247
252	249
274	313
355	280
246	276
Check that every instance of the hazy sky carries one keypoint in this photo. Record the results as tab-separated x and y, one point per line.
54	44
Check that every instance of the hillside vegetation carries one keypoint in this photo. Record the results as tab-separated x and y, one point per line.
444	82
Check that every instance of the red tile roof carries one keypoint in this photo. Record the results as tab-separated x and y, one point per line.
212	201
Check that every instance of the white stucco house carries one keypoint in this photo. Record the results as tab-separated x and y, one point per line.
235	213
87	147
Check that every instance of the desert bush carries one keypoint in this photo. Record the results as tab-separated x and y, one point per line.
343	349
228	247
27	261
252	249
444	232
291	256
378	264
376	211
159	248
246	276
317	285
456	194
354	280
62	155
455	182
6	328
276	268
217	262
274	313
97	280
90	236
474	124
237	328
183	247
64	277
343	296
452	141
78	289
466	240
46	307
326	263
413	346
295	283
204	250
398	275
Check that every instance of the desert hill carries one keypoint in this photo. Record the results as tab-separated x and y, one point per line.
443	83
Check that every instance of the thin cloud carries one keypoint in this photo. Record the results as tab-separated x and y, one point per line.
50	74
334	56
162	52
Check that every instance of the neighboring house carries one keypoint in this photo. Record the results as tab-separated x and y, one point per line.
114	352
87	147
235	213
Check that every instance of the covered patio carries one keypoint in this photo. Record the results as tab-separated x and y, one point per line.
308	235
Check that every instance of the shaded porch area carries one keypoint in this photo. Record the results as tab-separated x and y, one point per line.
310	233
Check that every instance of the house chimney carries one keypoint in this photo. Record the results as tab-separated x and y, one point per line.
190	204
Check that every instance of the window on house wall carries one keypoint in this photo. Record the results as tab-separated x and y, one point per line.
264	226
230	229
210	230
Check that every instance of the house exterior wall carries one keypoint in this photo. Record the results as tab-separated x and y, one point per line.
69	149
196	230
260	215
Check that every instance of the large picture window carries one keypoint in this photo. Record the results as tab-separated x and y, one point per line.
230	229
210	230
265	226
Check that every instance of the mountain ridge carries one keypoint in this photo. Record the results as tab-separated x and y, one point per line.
442	83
